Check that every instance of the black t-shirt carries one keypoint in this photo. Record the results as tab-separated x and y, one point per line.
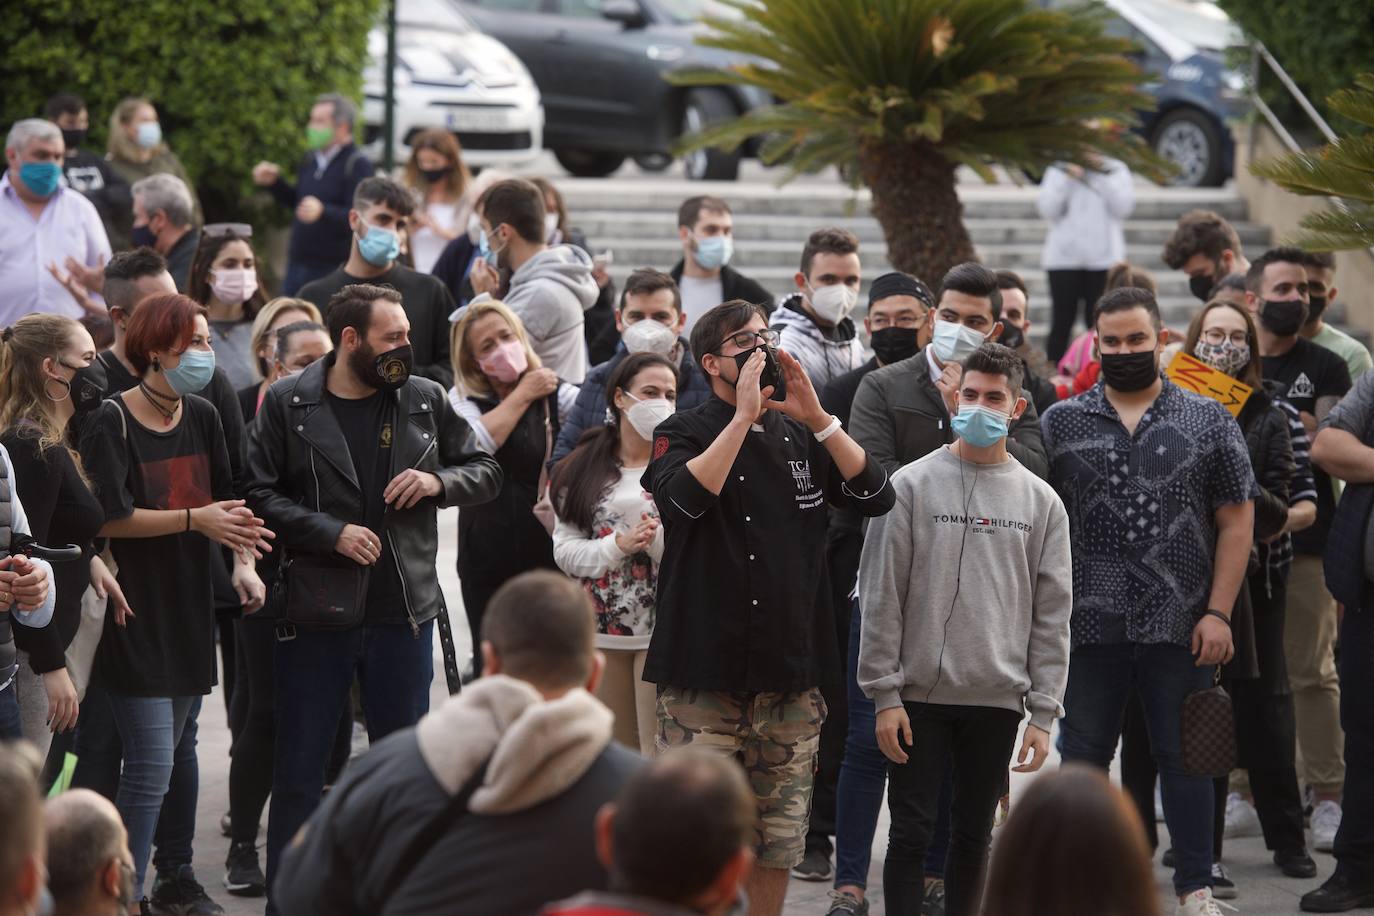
168	648
367	427
61	510
1310	372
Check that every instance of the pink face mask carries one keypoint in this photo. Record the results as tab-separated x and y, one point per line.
506	363
234	286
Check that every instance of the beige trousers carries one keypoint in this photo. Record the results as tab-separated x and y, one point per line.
1309	643
634	702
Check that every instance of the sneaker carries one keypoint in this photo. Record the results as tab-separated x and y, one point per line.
1326	820
243	877
846	905
1241	817
1223	888
1199	903
814	866
178	893
934	902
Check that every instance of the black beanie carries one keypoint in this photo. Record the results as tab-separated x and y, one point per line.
897	283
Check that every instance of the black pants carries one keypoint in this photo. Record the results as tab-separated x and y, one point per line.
1355	840
1071	290
978	740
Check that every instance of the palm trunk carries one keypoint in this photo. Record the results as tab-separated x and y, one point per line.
916	202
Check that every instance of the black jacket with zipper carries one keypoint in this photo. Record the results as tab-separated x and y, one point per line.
302	481
733	285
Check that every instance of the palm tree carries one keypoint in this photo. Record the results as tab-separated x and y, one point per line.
900	93
1343	169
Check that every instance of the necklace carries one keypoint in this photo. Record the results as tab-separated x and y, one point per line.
152	397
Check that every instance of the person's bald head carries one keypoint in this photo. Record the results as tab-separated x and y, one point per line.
90	869
21	828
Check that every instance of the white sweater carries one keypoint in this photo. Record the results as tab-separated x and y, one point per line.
1085	216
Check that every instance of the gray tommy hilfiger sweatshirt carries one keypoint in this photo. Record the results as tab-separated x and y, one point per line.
1001	610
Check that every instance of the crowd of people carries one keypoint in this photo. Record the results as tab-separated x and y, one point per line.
734	568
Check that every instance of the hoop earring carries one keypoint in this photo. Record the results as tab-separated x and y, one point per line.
66	395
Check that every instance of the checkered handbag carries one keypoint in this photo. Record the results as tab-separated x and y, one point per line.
1209	732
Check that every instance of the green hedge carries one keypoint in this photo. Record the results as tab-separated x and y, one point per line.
1323	44
232	80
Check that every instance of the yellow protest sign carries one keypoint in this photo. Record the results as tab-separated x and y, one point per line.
1200	378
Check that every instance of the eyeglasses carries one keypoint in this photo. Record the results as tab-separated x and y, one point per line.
215	230
1216	337
745	339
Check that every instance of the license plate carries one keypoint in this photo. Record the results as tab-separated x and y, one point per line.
477	120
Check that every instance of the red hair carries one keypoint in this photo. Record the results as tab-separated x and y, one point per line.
163	322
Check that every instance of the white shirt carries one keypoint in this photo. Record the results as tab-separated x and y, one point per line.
425	244
69	226
699	297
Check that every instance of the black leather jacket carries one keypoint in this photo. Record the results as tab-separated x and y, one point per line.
302	482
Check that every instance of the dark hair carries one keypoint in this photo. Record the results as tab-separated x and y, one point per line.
284	336
972	279
995	359
21	809
678	821
549	189
1069	824
646	281
164	322
1252	373
1200	232
1322	260
198	282
830	240
720	322
124	269
1010	279
63	103
351	307
1125	298
445	143
83	837
517	203
1124	273
582	477
542	626
1284	254
390	194
1234	281
690	211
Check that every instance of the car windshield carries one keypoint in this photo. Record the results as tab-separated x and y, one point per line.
685	12
1199	22
433	14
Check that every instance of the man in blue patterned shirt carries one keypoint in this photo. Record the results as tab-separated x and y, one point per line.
1158	487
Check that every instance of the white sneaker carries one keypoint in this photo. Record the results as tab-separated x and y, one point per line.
1241	817
1199	903
1326	820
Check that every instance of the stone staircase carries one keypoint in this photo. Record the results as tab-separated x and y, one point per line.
637	221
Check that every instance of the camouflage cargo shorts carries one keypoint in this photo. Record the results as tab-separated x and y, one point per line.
775	737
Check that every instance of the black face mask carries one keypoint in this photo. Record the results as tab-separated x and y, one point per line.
1012	336
143	237
1315	306
1130	371
772	372
1282	317
73	138
88	385
892	345
433	175
387	371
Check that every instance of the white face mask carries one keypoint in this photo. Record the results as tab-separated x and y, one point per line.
646	414
953	342
833	303
649	336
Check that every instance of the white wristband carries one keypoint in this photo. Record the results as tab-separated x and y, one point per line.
830	430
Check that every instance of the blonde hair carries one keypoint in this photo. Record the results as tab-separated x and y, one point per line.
263	321
119	145
471	379
23	385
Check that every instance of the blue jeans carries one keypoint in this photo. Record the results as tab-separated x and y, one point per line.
298	274
863	775
11	727
314	675
1100	681
1354	847
149	730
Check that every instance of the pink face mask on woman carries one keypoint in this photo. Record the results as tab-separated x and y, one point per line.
233	286
506	363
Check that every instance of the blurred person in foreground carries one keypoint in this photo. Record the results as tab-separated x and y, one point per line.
90	868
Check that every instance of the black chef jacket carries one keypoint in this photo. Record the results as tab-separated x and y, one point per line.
743	593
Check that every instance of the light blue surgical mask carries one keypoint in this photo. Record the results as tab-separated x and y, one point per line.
980	426
193	373
953	342
379	247
41	177
714	251
484	249
149	134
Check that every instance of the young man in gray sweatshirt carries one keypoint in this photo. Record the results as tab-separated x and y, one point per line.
966	590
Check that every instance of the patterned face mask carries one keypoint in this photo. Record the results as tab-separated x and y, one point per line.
1227	356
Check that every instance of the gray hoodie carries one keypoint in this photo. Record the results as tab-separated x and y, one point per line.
825	354
966	590
550	292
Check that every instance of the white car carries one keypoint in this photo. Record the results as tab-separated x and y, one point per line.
451	76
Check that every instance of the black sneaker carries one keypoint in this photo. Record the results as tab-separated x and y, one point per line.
934	902
178	893
243	876
846	905
814	866
1223	888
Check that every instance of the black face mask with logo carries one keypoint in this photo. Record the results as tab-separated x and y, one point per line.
772	371
386	371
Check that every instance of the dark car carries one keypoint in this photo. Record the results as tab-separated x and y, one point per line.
601	65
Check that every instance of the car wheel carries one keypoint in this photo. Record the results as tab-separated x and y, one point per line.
653	162
587	163
1191	140
704	108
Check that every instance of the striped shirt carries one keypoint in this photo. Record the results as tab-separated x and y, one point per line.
1278	555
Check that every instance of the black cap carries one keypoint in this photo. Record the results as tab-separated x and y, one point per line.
897	283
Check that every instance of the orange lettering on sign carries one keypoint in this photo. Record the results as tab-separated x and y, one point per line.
1200	378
